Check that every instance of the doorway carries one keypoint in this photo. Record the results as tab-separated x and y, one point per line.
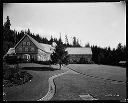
26	57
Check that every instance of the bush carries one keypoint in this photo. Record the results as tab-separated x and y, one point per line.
43	62
11	59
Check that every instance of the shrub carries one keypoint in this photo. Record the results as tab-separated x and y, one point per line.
43	62
11	59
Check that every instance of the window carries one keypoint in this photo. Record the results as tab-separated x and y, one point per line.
26	49
24	43
20	49
32	49
28	43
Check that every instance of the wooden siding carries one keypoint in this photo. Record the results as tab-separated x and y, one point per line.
76	57
21	45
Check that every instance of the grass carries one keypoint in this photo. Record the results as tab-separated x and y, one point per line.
101	71
70	86
36	88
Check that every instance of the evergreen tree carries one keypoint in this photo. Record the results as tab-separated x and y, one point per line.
87	45
7	24
77	43
59	55
66	40
74	41
51	40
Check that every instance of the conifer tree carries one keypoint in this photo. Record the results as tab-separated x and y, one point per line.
59	55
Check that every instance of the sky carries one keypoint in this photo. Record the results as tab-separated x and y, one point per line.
102	24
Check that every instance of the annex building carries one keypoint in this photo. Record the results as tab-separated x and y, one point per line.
28	48
77	53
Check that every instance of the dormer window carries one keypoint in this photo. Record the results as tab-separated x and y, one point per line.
26	49
24	43
28	43
32	49
20	49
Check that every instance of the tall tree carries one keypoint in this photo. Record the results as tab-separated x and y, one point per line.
77	43
51	40
7	24
66	40
74	41
87	45
59	55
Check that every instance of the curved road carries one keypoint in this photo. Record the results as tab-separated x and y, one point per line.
51	90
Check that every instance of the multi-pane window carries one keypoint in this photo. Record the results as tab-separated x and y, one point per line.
24	43
28	43
32	49
20	49
26	49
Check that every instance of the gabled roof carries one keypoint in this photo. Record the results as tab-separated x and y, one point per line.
42	46
10	51
79	50
47	47
121	62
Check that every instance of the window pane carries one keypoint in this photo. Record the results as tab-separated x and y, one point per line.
28	43
24	43
20	49
26	49
32	49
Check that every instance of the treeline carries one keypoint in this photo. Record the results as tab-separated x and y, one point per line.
11	37
100	55
108	56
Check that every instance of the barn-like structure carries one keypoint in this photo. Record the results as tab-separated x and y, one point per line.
28	48
79	53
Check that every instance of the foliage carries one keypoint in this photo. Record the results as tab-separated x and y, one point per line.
59	55
87	45
76	42
107	56
99	55
14	76
11	59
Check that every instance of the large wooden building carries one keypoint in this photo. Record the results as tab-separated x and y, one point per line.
28	48
79	53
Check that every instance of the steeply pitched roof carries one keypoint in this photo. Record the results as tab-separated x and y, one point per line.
79	50
47	47
42	46
11	51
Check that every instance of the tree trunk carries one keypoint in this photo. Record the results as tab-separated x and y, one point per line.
60	65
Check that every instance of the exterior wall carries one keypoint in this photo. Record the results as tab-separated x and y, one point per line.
27	48
73	58
24	48
21	46
32	56
43	56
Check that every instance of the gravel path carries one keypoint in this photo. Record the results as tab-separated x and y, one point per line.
51	90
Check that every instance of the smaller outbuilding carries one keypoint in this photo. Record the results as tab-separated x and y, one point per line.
122	63
79	54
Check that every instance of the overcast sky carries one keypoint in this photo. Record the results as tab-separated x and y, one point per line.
102	24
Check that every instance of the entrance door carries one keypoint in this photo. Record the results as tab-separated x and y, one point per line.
26	57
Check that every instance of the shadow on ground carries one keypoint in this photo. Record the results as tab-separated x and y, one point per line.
40	68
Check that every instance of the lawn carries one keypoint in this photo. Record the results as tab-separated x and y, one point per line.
70	86
36	88
101	71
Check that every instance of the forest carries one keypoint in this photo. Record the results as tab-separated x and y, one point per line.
106	55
